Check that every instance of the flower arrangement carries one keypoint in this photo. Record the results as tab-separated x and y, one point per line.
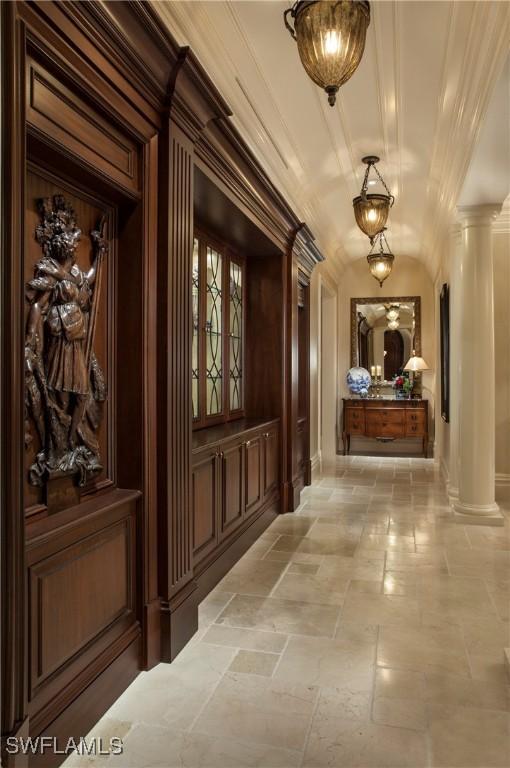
402	384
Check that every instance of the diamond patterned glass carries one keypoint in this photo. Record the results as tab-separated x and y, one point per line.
213	330
236	336
195	286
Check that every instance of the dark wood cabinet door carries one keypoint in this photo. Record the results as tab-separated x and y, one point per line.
253	476
232	485
204	499
271	461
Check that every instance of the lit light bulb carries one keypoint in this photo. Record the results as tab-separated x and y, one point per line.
380	267
332	42
372	215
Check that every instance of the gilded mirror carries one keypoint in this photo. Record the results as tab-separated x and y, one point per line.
385	332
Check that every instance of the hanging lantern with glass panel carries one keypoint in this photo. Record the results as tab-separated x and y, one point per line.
371	210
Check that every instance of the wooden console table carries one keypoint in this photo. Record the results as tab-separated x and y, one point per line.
385	420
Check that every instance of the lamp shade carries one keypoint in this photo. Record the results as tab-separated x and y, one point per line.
331	39
416	364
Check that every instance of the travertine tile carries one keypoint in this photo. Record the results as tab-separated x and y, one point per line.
311	588
335	742
292	524
325	662
152	747
248	639
254	663
402	713
368	587
212	606
173	694
469	737
286	616
260	710
308	568
422	648
380	609
252	577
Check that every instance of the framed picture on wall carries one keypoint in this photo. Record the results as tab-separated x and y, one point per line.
444	321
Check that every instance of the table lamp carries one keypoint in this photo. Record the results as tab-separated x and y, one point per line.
416	365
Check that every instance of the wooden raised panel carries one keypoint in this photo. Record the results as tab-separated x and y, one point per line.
82	593
204	486
77	593
271	461
253	474
61	115
232	506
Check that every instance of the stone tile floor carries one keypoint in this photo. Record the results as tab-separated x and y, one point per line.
366	630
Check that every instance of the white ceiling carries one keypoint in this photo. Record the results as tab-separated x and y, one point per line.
418	100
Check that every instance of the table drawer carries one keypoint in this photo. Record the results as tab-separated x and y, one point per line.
355	422
415	417
386	416
380	428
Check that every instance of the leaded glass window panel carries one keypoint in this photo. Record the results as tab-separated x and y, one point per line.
213	330
236	336
195	293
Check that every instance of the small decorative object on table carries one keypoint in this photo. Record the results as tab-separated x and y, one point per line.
402	386
358	381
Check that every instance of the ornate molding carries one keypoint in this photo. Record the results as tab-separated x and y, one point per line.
384	300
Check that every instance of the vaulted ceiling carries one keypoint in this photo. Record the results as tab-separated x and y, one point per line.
418	100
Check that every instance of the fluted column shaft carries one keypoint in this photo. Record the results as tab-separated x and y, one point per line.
455	340
476	366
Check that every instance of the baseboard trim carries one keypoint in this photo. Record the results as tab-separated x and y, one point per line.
502	480
315	466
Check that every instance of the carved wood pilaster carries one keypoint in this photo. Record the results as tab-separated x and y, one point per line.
14	629
302	255
192	104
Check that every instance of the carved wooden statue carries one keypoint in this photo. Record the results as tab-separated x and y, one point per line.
65	386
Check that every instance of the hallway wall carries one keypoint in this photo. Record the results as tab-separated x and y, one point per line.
502	348
408	278
501	241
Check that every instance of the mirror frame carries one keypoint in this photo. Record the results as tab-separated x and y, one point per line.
384	300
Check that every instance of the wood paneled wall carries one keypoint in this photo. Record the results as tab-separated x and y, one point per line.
101	106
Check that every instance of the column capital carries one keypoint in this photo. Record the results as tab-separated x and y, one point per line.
477	215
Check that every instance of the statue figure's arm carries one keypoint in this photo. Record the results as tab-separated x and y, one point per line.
100	250
35	319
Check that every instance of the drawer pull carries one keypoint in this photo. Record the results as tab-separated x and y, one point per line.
266	435
248	443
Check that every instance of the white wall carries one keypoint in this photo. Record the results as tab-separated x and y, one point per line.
408	278
502	349
315	312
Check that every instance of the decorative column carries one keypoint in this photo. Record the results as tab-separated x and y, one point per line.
455	341
476	407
